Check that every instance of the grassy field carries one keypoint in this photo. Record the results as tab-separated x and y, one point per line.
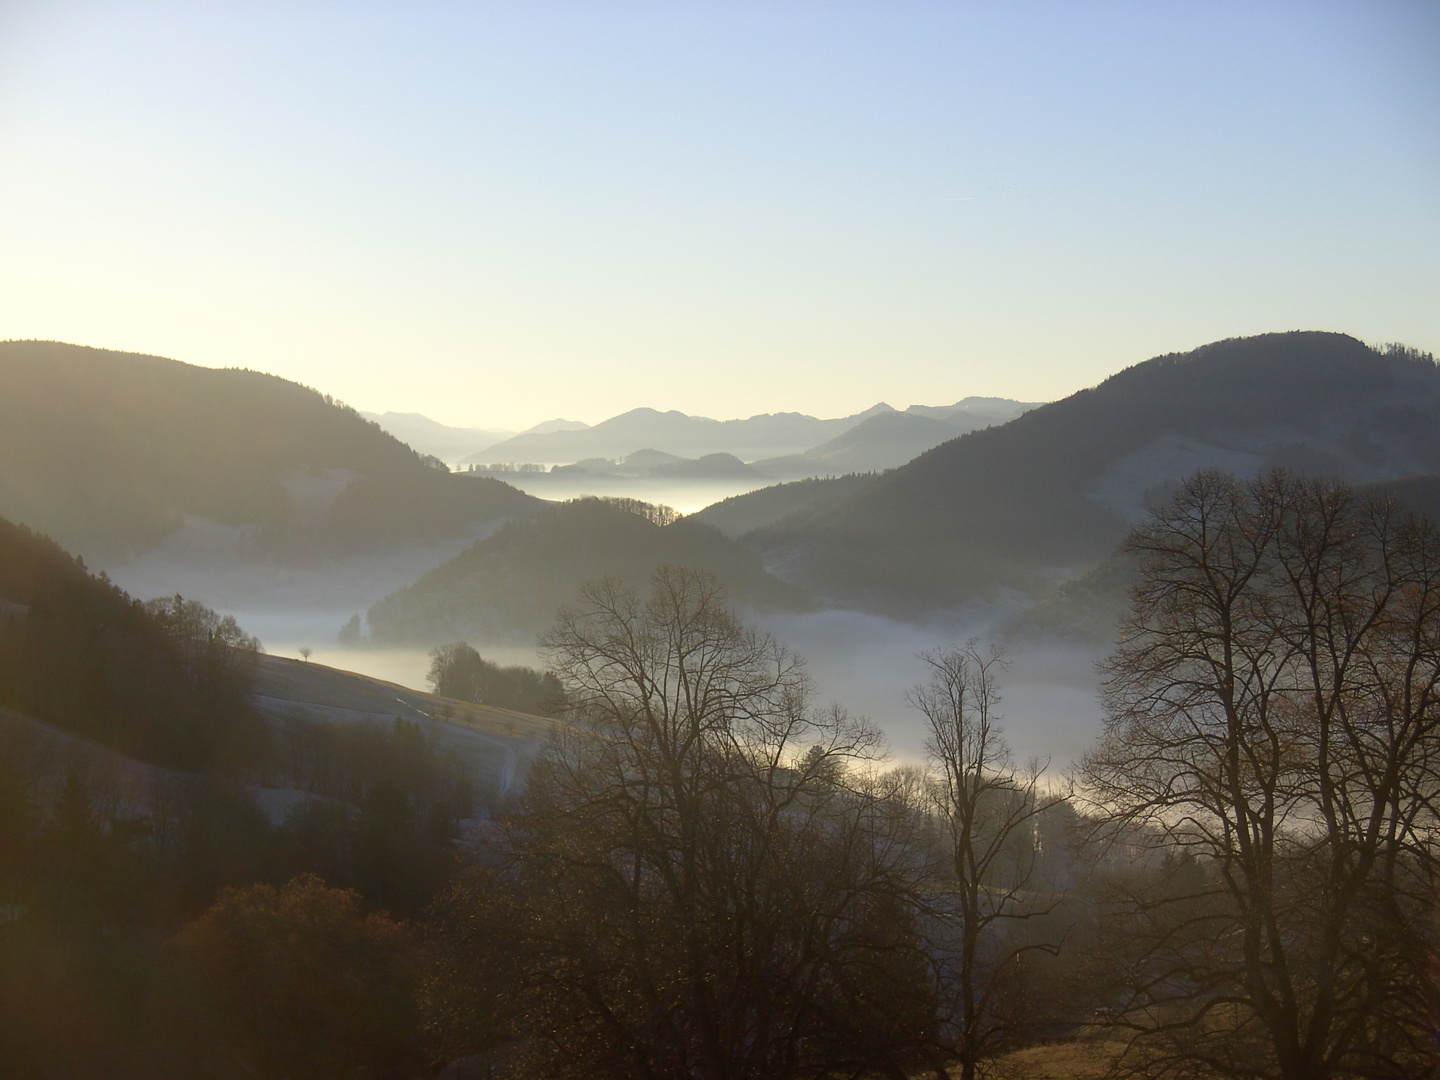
1080	1059
330	693
500	744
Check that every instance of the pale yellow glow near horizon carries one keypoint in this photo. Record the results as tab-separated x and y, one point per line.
500	216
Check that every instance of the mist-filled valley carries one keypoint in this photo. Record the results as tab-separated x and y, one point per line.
321	756
712	541
984	548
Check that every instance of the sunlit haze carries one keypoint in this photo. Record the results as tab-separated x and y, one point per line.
497	214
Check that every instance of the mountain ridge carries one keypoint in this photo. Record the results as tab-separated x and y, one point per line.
108	451
1050	493
764	435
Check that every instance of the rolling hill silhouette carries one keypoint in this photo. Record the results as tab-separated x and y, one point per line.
887	440
509	586
1052	492
107	451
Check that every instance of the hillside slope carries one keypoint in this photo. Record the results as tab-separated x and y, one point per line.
1053	491
79	653
741	514
508	587
887	440
107	451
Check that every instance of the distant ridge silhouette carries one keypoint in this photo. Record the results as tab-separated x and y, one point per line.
1053	491
108	451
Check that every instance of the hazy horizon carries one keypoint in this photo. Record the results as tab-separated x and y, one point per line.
887	744
501	214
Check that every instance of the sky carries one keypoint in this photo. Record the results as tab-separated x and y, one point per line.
496	214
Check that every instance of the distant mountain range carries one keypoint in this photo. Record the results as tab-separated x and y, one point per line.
1052	492
659	463
781	445
763	436
108	451
887	440
451	444
111	451
434	438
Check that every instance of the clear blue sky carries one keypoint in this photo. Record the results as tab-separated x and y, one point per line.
500	213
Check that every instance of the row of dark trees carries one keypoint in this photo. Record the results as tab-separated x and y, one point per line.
164	682
458	671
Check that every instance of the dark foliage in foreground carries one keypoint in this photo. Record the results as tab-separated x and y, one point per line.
1275	725
720	890
711	878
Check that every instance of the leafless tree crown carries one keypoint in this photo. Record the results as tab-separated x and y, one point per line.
1273	717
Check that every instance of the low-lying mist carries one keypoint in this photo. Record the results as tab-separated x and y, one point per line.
685	495
864	662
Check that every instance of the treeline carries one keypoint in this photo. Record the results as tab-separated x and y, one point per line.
159	683
458	671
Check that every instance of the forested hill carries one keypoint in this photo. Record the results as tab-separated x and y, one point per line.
509	586
78	653
1056	488
107	450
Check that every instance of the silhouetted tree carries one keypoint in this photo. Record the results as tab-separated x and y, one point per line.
1274	712
989	812
717	889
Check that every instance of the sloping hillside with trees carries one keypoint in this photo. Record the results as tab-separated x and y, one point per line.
741	514
165	683
107	451
1056	489
509	586
708	875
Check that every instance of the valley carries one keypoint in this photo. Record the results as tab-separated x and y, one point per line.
362	763
984	527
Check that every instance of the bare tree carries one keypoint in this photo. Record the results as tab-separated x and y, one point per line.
718	880
988	810
1273	715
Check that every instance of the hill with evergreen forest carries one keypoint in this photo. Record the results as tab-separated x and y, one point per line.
508	587
146	680
741	514
109	451
1052	492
